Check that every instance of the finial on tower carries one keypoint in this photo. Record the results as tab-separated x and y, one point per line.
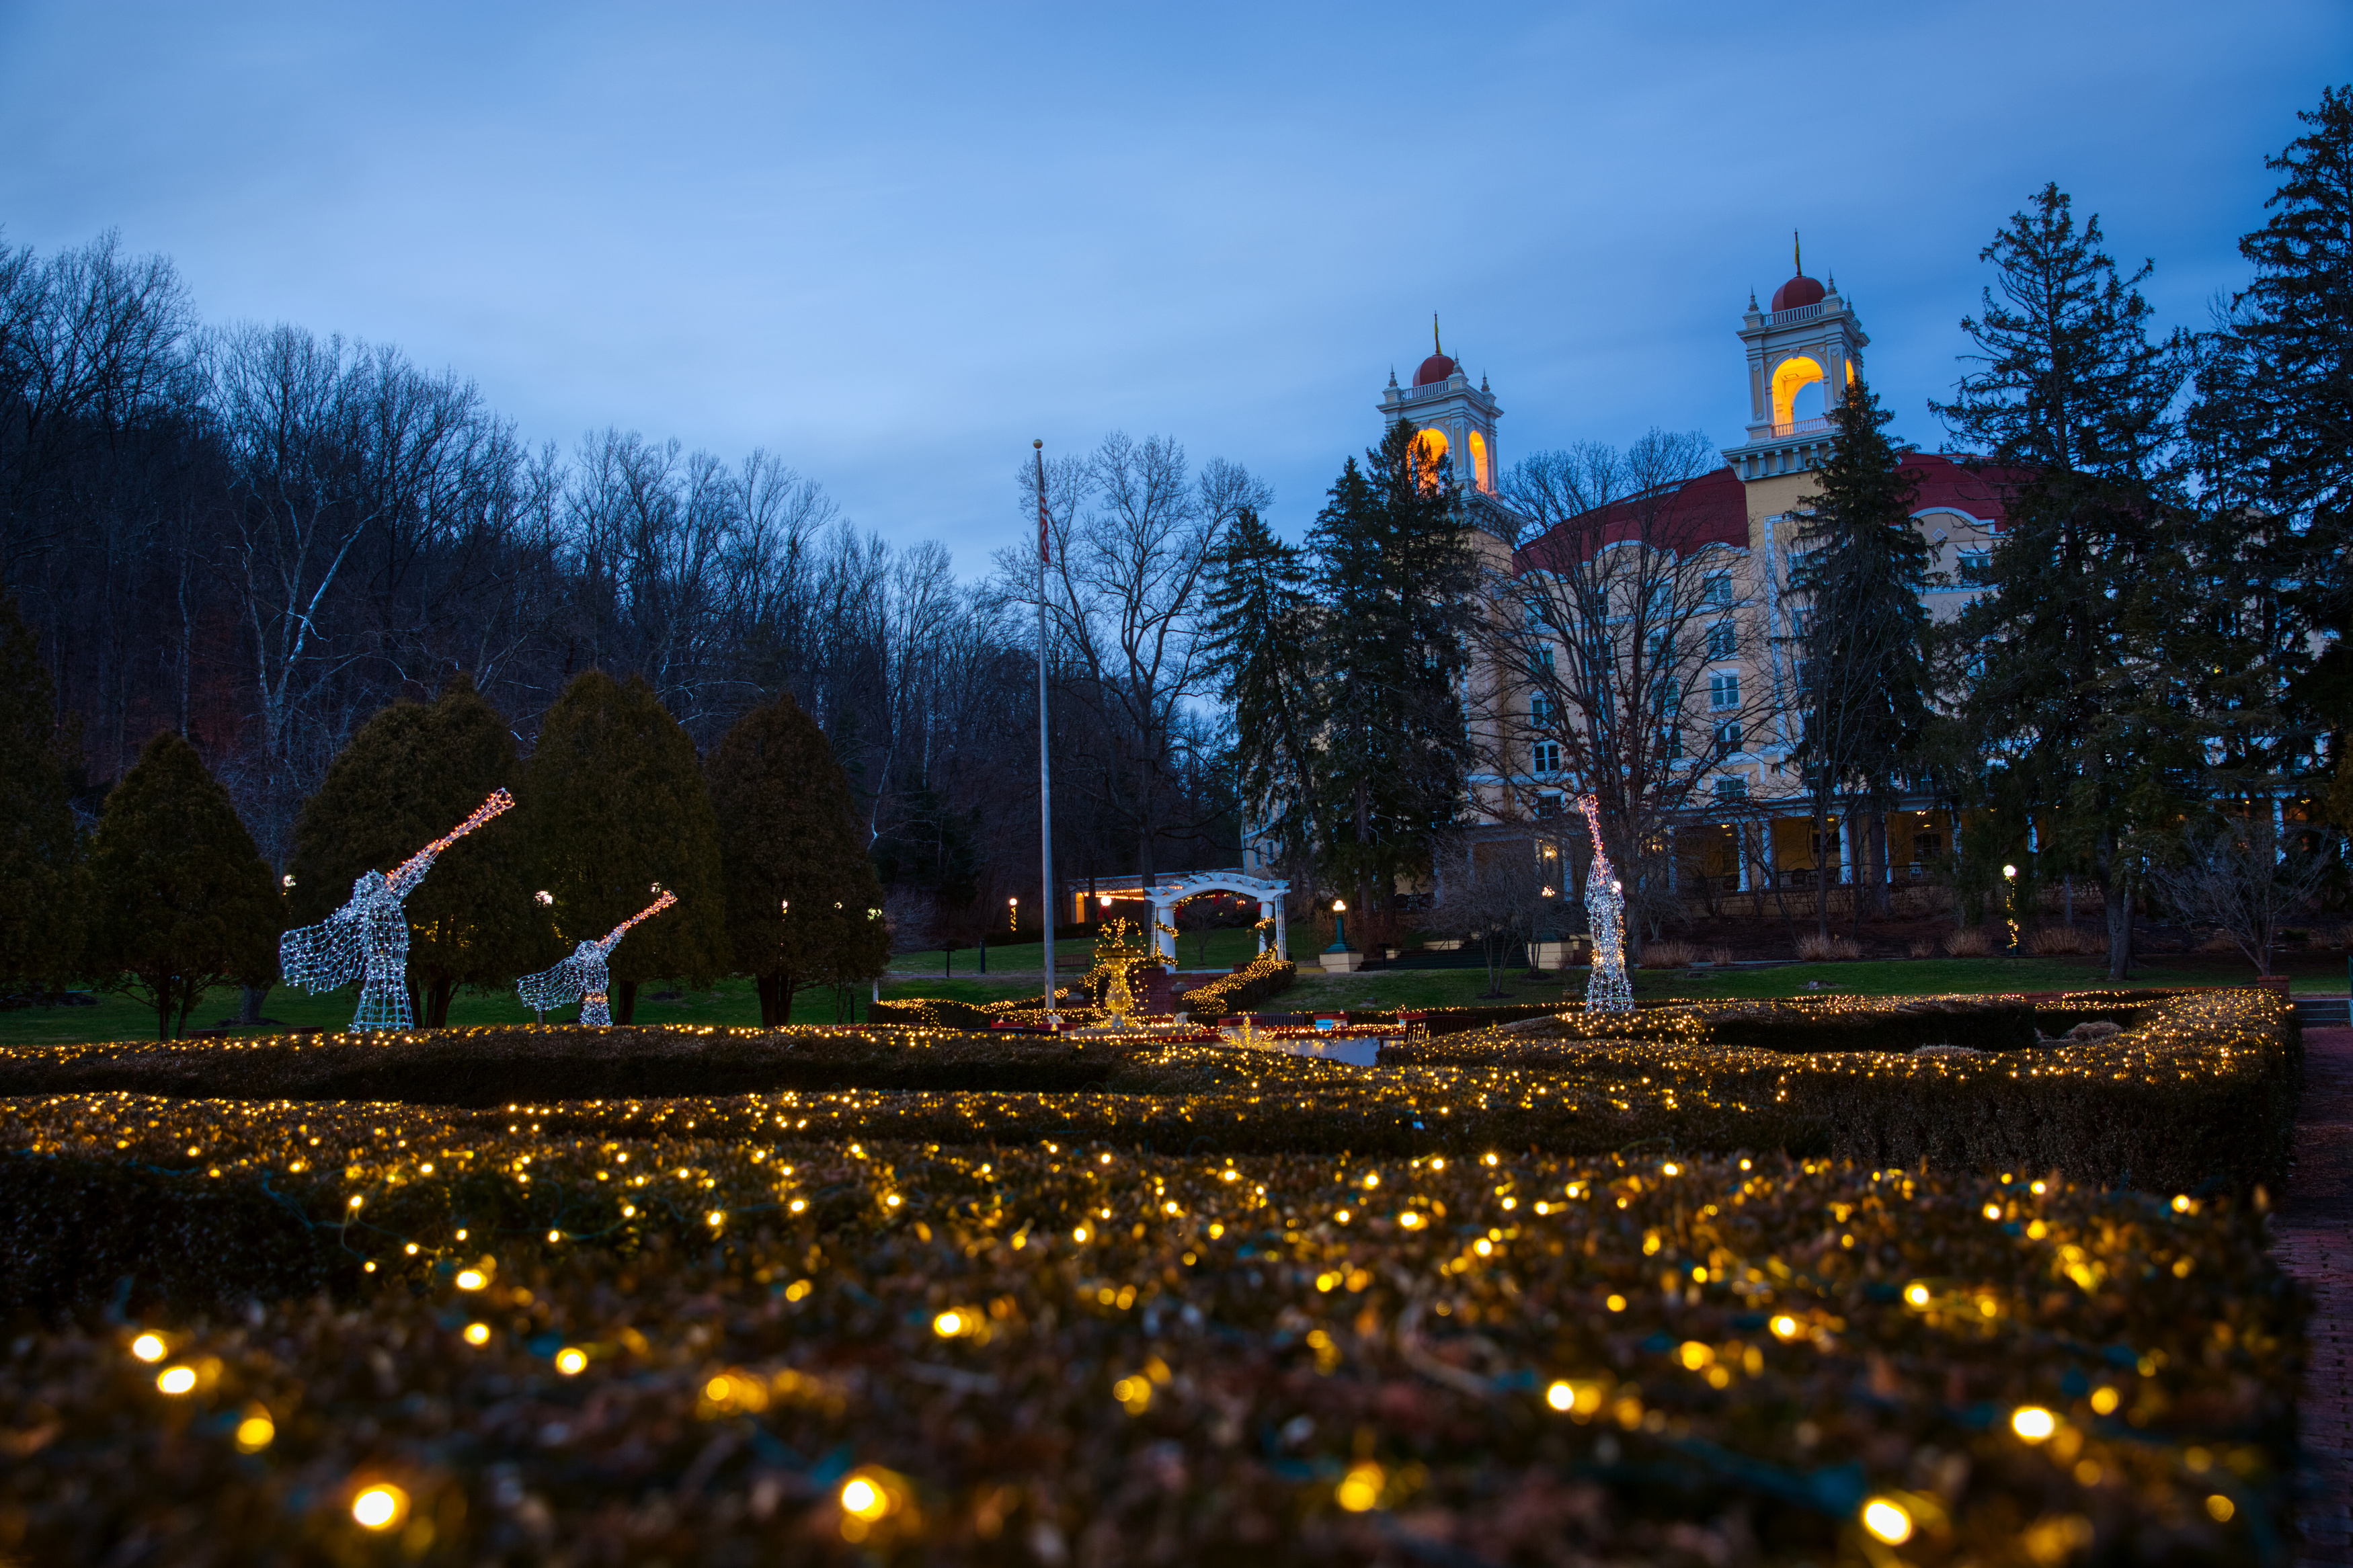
1435	346
1482	381
1752	299
1797	256
1392	375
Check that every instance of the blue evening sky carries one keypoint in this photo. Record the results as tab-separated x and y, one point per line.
894	243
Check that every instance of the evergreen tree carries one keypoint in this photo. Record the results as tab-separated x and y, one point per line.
616	809
2274	423
1863	697
44	890
1393	553
1263	629
804	907
2065	693
183	901
411	774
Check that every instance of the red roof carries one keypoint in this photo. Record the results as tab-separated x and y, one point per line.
1434	369
1799	291
1713	510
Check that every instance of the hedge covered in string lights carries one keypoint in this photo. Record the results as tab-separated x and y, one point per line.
1268	974
684	1335
2199	1092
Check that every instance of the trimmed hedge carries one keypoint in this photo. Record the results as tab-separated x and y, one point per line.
2201	1091
1042	1353
1268	975
493	1064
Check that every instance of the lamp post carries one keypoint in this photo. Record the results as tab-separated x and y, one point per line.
1340	926
2009	903
1013	915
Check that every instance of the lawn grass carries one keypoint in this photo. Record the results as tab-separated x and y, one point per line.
1013	971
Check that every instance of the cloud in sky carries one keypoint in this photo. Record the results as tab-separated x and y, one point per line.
894	244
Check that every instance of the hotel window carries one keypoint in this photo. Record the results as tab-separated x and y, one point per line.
1547	805
1539	714
1726	736
1716	589
1548	758
1671	741
1977	566
1719	644
1723	690
1731	789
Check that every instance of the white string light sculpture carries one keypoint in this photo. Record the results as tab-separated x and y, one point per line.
583	977
368	939
1608	990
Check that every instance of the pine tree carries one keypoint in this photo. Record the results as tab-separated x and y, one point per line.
2274	423
1863	648
44	888
411	773
1263	627
2063	672
1393	555
617	811
804	907
183	900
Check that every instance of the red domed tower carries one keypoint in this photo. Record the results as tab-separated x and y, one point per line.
1808	339
1456	420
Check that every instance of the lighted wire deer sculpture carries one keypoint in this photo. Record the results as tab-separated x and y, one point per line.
368	939
584	977
1608	990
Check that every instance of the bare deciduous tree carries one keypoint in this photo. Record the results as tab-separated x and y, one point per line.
1498	895
2235	874
1133	534
1624	643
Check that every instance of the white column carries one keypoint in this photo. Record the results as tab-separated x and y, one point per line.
1265	938
1740	852
1765	849
1846	851
2279	828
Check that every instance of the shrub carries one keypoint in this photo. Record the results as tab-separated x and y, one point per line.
2049	940
1969	941
1669	955
1922	950
1719	955
1814	948
754	1320
1268	975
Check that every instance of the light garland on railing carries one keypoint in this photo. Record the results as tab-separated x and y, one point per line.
1608	990
583	977
368	939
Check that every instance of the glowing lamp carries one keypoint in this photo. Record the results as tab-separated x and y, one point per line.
380	1507
1887	1519
2033	1423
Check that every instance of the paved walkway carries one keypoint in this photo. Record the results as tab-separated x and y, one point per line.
2313	1237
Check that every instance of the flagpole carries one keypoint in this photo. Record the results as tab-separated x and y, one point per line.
1045	774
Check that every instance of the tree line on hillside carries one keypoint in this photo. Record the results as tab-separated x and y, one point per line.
762	842
258	536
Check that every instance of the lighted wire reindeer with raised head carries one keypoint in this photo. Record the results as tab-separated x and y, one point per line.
584	977
1607	991
368	939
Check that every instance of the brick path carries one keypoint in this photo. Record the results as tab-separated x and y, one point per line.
2312	1235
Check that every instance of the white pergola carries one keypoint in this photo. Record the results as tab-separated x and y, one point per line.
1166	896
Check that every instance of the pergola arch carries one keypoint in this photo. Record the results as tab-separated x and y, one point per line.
1166	896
